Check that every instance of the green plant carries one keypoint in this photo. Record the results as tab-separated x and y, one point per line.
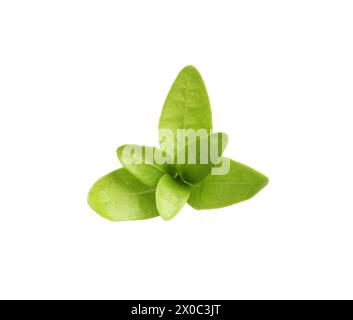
160	184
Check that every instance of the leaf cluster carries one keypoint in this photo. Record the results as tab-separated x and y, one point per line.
145	189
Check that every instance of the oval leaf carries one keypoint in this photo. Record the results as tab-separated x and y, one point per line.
119	196
140	161
217	191
187	106
171	196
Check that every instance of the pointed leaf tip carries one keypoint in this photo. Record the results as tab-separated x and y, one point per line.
216	191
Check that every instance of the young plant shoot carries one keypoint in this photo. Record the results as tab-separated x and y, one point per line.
189	167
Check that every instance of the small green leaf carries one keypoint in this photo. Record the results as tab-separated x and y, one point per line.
200	156
171	196
217	191
140	161
187	106
119	196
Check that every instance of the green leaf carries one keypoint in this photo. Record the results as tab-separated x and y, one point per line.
119	196
187	106
217	191
200	156
140	161
171	196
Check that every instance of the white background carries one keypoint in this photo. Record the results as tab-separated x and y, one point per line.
80	78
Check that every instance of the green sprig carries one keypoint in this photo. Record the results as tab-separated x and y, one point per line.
144	189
